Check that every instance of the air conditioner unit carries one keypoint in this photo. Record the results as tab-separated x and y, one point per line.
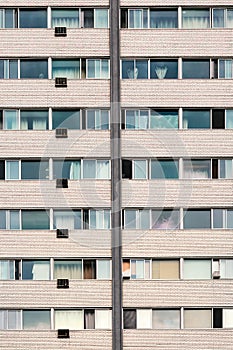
61	183
62	283
61	133
63	333
60	82
216	274
60	31
62	233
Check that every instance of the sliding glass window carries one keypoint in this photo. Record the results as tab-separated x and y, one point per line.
32	18
65	18
163	69
68	68
163	18
135	69
196	18
69	119
67	169
33	69
35	220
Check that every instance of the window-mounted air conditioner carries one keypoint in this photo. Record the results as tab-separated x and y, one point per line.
62	233
60	31
62	283
63	333
61	133
60	82
61	183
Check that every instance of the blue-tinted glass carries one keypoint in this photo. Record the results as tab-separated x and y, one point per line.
197	219
164	169
164	18
32	18
66	68
65	18
13	69
33	120
196	69
130	219
141	69
1	69
34	69
36	319
128	69
218	18
35	270
35	220
14	220
69	119
196	119
218	218
9	18
164	119
34	170
2	219
66	169
130	120
166	69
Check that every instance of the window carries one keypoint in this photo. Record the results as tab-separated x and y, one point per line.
166	269
196	119
196	18
165	18
97	68
66	68
12	169
165	319
163	69
33	69
37	169
69	319
227	318
144	317
96	169
197	269
165	219
138	18
35	220
226	268
196	218
33	120
36	270
136	219
8	69
103	319
65	18
135	69
32	18
129	319
103	269
97	219
97	119
225	69
164	169
89	269
67	219
69	119
163	119
197	318
196	69
197	169
95	18
134	169
67	169
10	319
136	269
8	18
68	269
136	119
10	120
222	18
9	219
36	319
226	169
7	270
223	218
229	118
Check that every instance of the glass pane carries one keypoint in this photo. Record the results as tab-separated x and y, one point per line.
140	169
226	268
197	319
69	69
141	70
104	69
36	319
196	119
128	70
229	218
136	18
229	119
71	269
34	120
103	269
226	170
69	119
101	18
218	218
196	219
227	318
196	18
67	219
229	18
34	69
218	18
10	120
65	18
103	319
89	169
69	319
38	170
67	169
9	18
7	269
196	69
196	169
14	220
14	319
129	317
103	169
13	69
225	69
12	170
104	123
144	219
35	220
166	69
93	69
162	119
32	18
144	319
197	269
165	219
164	169
36	270
163	18
166	269
2	219
130	219
165	319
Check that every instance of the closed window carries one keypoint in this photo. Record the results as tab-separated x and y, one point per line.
166	269
98	68
36	270
67	219
196	119
197	318
68	269
165	18
8	69
69	319
196	69
164	169
103	319
165	219
138	18
7	270
226	268
97	219
197	169
195	218
67	169
163	69
225	69
226	169
69	119
95	18
103	269
9	219
35	220
96	169
33	120
8	18
137	119
38	170
10	319
229	119
165	319
196	18
144	318
32	18
65	18
197	269
136	219
12	170
163	119
222	18
97	119
135	69
36	319
69	69
33	69
140	269
10	120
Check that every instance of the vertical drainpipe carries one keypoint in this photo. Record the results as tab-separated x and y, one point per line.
117	343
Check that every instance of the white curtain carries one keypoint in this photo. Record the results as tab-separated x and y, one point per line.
69	319
64	219
103	171
39	124
227	318
195	19
144	319
103	319
68	269
65	18
226	268
196	170
41	270
75	170
24	124
6	269
229	18
161	72
10	319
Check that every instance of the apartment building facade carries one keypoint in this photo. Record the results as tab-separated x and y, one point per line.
116	169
